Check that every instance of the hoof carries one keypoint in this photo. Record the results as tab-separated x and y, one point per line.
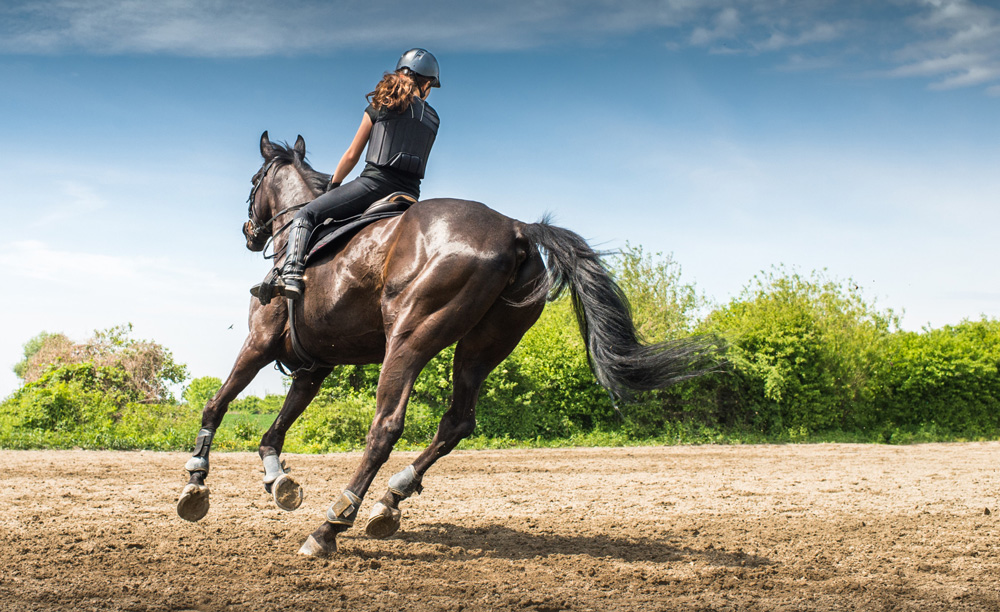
193	504
383	522
287	493
312	548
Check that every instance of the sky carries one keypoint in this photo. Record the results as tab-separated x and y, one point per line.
856	138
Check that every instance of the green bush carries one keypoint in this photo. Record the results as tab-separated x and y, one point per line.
338	425
67	398
88	406
811	359
269	404
946	379
806	353
200	390
150	368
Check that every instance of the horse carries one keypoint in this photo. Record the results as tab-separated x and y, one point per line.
445	272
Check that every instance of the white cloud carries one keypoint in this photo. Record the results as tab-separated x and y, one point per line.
957	45
258	27
820	33
952	43
726	24
73	200
32	263
253	28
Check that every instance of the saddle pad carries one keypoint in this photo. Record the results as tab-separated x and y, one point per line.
331	235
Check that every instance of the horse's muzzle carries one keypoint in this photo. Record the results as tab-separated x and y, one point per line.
256	236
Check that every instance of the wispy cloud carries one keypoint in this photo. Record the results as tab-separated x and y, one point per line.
725	24
951	43
74	200
37	263
957	45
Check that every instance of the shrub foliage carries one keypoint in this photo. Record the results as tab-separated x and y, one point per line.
809	358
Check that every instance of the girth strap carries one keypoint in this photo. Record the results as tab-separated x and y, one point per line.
309	363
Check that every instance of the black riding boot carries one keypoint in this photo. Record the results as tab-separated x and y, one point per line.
290	281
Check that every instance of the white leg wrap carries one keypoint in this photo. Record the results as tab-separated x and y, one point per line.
202	446
345	509
197	464
273	467
405	483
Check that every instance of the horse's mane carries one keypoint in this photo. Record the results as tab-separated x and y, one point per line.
285	155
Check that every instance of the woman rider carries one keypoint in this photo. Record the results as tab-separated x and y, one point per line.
398	128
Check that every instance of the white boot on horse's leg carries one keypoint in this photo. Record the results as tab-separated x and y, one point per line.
339	517
193	503
285	491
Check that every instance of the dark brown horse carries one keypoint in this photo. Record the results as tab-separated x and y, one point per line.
400	291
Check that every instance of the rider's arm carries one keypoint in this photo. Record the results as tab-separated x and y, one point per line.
353	153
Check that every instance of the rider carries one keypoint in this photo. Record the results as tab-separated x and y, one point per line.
398	128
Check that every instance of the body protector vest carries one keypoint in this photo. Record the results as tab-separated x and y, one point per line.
402	141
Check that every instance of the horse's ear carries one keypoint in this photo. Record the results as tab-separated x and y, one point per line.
266	150
300	146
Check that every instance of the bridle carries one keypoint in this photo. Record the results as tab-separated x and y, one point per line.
259	229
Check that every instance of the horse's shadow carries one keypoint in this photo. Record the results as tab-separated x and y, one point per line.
500	541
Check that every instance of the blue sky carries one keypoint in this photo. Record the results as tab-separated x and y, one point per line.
857	137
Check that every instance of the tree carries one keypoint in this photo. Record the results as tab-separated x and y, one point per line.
201	390
150	368
662	306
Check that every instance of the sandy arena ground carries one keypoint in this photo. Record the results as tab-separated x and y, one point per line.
820	527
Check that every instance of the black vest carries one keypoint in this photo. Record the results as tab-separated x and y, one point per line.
403	141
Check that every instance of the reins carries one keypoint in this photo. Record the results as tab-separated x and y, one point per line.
278	232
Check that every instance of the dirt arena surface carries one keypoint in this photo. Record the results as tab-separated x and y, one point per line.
817	527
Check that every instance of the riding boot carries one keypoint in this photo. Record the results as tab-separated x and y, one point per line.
293	272
289	282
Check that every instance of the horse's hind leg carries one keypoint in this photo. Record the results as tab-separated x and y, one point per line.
399	372
422	328
283	488
476	355
193	503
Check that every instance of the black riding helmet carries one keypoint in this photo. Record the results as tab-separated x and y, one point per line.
420	61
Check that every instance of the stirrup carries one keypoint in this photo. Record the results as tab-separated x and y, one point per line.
270	287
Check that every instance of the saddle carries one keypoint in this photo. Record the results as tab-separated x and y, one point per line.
334	233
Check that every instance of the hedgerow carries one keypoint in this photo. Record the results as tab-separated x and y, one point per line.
807	358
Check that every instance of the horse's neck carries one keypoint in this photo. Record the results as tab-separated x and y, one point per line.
289	189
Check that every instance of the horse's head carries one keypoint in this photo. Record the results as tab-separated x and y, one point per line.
264	203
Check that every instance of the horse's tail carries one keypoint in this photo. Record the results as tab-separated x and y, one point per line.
619	361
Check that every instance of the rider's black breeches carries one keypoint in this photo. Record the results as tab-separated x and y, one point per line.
346	201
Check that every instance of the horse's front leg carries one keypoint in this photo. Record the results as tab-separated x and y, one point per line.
283	488
193	503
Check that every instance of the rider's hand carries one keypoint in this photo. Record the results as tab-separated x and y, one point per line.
331	186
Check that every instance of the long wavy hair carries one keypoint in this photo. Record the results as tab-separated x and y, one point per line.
396	90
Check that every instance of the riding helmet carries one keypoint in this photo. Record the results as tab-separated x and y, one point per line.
420	61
